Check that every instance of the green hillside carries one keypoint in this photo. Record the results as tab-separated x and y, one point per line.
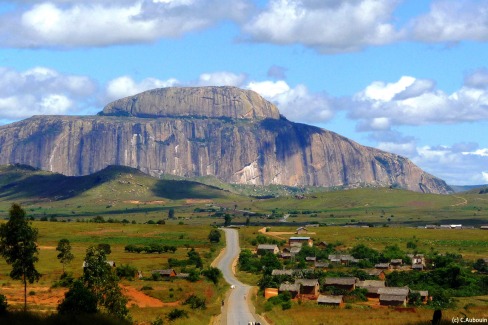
125	193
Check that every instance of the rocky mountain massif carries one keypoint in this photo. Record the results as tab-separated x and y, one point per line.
232	134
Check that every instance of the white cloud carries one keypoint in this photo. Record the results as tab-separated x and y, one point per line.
222	78
484	176
327	26
452	21
296	104
125	86
68	24
450	164
480	152
477	79
411	101
42	90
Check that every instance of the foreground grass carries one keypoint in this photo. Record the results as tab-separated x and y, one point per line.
308	312
43	298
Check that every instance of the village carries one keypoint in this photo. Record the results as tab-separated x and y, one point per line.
364	281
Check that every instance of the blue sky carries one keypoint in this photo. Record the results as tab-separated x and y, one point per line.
409	77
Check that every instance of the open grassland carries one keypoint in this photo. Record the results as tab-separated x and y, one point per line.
157	299
471	243
125	193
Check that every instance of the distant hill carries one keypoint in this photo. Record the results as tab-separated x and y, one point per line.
228	133
466	188
27	184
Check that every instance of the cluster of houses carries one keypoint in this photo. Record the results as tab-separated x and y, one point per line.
304	288
310	289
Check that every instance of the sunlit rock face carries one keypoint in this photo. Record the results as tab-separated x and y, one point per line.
232	134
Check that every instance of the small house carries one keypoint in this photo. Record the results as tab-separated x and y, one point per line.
111	263
393	296
372	286
301	230
343	259
285	255
322	244
484	227
336	301
396	263
430	227
346	283
320	265
303	240
169	273
309	287
292	288
424	294
382	266
380	274
418	267
267	248
392	300
310	258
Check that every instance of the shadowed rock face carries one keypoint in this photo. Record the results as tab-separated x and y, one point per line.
239	138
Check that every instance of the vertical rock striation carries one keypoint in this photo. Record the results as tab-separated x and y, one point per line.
226	132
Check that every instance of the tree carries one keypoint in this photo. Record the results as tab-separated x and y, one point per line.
214	236
213	274
171	213
64	248
18	247
78	300
99	278
106	248
227	220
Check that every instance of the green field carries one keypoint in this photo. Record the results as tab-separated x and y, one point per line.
82	235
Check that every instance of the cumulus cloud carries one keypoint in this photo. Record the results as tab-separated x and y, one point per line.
452	21
222	78
477	79
69	24
126	86
297	104
452	165
327	26
42	90
411	101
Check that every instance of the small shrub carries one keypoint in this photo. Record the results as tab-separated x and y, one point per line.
195	302
147	288
32	293
158	321
286	305
177	313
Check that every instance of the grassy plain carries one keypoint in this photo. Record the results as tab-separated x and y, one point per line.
82	235
123	193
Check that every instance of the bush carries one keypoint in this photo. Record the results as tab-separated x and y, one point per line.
126	271
286	305
177	313
195	302
147	288
213	274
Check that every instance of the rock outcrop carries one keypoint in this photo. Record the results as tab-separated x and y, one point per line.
226	132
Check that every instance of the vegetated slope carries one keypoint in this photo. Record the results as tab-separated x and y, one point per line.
232	134
114	183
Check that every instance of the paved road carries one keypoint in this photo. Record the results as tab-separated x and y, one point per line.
237	308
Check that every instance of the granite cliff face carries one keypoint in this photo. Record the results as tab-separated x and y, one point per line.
230	133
